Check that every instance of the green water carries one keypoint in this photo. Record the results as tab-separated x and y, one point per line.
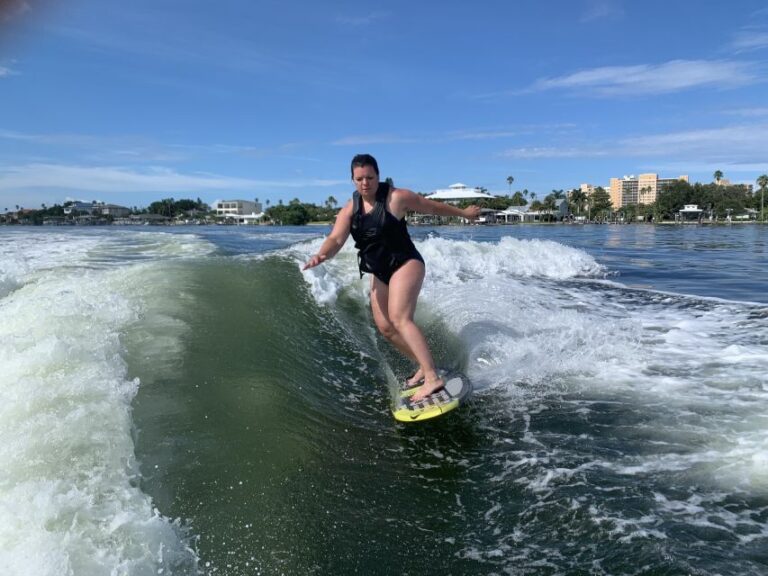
618	424
272	440
268	436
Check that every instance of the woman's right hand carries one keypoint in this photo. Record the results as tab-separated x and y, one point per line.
315	261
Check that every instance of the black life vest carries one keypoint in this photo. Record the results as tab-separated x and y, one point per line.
380	238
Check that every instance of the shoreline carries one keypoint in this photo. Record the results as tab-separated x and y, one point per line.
414	225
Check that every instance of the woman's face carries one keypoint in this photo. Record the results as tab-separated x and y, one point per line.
366	180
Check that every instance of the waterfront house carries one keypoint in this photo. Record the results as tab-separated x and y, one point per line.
690	213
236	207
455	193
145	219
749	214
239	211
80	208
115	210
515	214
244	219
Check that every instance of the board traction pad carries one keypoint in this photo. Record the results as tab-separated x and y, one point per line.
455	391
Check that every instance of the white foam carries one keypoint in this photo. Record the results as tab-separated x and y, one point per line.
452	262
538	320
24	254
69	496
333	276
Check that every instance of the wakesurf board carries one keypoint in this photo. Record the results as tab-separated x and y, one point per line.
456	391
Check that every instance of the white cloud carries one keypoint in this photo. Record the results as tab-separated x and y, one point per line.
552	152
109	149
749	112
63	139
5	72
735	145
743	143
362	20
110	179
477	134
748	40
482	135
602	9
373	139
707	168
672	76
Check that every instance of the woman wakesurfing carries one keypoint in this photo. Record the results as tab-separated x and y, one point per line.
375	216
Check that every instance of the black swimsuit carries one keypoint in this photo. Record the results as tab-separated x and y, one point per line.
382	241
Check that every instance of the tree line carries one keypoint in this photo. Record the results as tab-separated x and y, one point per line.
294	213
715	198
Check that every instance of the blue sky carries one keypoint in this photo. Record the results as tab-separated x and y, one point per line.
130	102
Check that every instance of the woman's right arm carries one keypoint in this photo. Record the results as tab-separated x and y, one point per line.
335	240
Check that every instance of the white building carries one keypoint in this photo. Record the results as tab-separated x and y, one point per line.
690	212
525	214
237	207
515	214
96	209
81	207
115	210
457	192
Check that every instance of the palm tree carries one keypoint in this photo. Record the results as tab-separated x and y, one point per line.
578	197
331	202
762	181
510	179
718	175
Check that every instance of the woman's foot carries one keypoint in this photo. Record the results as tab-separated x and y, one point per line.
430	386
416	380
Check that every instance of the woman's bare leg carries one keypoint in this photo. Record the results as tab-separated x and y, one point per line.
380	310
404	288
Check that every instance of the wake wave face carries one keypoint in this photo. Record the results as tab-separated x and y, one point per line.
619	395
69	496
499	299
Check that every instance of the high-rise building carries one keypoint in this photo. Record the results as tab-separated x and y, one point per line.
643	189
587	189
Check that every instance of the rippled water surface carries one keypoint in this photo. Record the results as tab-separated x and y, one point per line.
187	401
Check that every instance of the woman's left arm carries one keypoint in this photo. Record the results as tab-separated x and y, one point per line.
408	200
